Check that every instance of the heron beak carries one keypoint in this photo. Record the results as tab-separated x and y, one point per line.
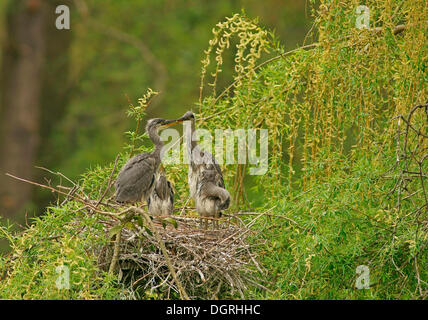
169	123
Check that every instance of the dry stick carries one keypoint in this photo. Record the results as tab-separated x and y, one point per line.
270	215
233	234
418	276
406	262
57	173
115	253
410	125
256	218
71	192
183	293
41	185
184	207
52	189
401	183
109	181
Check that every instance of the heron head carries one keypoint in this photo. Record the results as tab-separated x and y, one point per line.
154	124
189	115
158	123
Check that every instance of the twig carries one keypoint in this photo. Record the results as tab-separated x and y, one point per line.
109	181
52	189
115	252
398	29
271	215
56	173
183	293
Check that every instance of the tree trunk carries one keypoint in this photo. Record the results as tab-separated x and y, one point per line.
23	56
57	88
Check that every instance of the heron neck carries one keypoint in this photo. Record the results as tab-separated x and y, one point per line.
192	131
154	136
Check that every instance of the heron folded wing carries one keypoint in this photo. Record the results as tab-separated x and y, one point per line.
163	188
171	193
135	178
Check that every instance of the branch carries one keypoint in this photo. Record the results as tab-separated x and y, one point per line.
183	293
76	198
115	252
109	181
398	29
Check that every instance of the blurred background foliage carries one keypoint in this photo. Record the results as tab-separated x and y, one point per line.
113	52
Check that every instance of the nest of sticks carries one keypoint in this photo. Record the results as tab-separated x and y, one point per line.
174	254
183	258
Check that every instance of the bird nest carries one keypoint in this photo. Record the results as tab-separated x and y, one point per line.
183	259
172	255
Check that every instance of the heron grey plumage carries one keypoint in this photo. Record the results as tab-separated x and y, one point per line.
161	199
136	179
210	198
204	177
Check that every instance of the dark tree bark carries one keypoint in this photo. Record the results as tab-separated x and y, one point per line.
23	58
57	88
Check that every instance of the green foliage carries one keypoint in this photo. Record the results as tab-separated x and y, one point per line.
324	233
107	73
62	237
328	109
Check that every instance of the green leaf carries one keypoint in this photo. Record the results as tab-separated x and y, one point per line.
172	221
140	221
130	226
115	230
148	231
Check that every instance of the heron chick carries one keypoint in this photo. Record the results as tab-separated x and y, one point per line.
211	199
137	177
205	177
161	200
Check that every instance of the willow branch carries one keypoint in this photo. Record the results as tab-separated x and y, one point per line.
398	29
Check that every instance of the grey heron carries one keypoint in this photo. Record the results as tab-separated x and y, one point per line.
136	179
204	177
161	199
210	198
